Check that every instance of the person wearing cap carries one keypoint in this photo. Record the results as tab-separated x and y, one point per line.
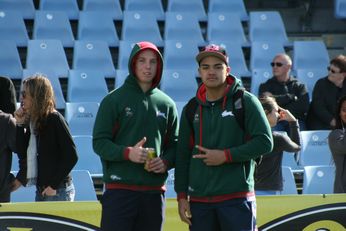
288	92
131	119
214	174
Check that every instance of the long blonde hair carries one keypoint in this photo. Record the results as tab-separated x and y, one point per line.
43	100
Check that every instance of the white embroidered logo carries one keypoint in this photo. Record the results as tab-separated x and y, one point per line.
128	112
227	113
115	177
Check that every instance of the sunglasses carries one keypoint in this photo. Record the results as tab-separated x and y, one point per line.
276	64
332	71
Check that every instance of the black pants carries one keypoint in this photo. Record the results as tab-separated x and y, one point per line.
5	196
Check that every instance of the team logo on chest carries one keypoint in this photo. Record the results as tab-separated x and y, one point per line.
227	113
128	112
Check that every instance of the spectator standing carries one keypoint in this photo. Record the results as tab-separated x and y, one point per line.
288	92
215	162
131	119
44	138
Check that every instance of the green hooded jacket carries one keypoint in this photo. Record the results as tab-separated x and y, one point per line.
215	127
125	116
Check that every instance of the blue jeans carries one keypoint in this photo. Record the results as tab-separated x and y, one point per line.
231	215
128	210
62	194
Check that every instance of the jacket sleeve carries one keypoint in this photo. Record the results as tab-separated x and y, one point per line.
337	142
183	156
260	139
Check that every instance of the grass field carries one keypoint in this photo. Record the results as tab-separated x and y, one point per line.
172	220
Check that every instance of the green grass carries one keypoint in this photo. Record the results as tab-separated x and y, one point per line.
172	219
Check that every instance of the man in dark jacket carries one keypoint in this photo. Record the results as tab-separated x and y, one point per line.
288	92
215	157
7	95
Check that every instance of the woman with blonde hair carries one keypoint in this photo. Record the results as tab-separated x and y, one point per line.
44	137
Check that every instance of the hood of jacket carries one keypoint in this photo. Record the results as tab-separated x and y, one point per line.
136	50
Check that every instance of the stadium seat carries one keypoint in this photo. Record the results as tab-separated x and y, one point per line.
140	26
180	85
310	55
93	55
340	9
46	55
180	54
154	7
82	181
125	48
267	26
97	25
315	149
318	179
86	86
80	117
236	57
10	64
230	6
170	193
111	7
217	22
192	7
259	76
183	26
180	105
262	54
53	25
12	27
289	184
54	79
25	7
70	7
120	77
310	76
87	158
288	160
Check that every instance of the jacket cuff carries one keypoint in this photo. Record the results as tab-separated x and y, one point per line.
181	196
127	153
228	156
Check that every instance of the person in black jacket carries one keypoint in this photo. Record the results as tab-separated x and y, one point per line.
268	176
7	95
288	92
46	142
325	95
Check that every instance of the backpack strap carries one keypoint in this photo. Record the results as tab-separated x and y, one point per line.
238	107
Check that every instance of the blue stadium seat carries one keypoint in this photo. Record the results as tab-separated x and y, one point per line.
191	7
46	55
53	25
111	7
315	149
318	179
289	184
340	9
154	7
141	26
288	160
97	25
310	76
70	7
82	181
267	26
183	26
230	6
262	54
310	54
54	79
217	22
93	55
180	85
87	158
125	48
10	64
180	105
259	76
120	77
170	193
180	54
236	57
86	86
25	7
80	117
12	27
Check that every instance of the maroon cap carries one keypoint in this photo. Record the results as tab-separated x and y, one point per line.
213	50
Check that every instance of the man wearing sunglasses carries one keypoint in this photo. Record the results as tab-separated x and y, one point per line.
325	95
288	92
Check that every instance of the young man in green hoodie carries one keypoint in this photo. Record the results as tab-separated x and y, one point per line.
215	156
131	119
